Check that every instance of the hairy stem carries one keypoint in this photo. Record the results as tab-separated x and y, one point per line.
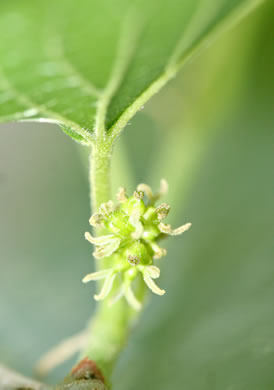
108	333
99	174
109	326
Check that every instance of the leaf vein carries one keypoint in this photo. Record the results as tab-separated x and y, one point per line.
125	50
30	104
56	50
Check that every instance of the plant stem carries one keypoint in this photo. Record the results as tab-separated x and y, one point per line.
108	333
99	174
110	325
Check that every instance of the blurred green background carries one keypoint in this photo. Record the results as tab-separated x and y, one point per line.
210	134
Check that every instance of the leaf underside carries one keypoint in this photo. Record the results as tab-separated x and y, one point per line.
95	63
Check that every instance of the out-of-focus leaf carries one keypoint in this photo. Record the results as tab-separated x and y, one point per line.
95	63
214	327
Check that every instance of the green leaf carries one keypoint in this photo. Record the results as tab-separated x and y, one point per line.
214	327
89	65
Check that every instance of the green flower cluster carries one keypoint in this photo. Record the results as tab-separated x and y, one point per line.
134	228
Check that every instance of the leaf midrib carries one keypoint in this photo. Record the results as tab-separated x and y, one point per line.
237	14
124	55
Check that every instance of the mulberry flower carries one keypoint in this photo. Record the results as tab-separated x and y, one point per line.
131	247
